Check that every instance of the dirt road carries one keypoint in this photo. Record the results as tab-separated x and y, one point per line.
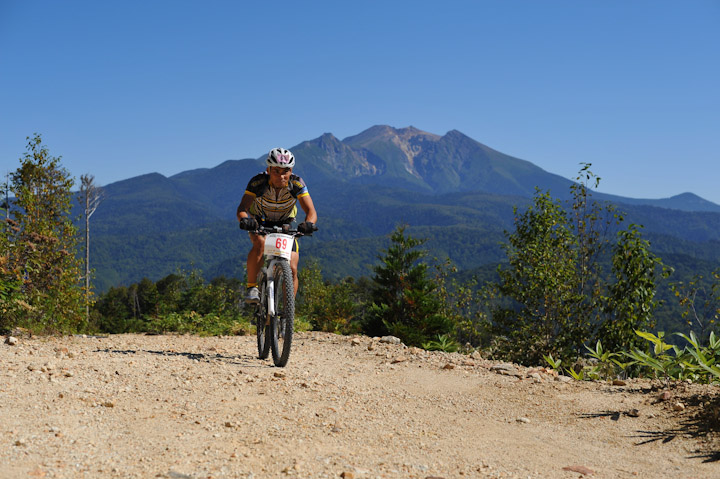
133	406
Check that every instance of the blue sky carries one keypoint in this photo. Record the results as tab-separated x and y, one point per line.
120	89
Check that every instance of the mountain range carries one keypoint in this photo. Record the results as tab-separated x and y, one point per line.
450	189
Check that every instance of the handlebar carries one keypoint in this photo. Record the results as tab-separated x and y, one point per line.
285	229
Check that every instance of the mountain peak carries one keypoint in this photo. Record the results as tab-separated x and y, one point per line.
686	196
691	202
385	132
328	137
456	135
328	140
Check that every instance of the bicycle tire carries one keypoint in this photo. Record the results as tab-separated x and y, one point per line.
283	321
261	325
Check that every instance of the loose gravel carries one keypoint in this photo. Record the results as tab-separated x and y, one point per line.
141	406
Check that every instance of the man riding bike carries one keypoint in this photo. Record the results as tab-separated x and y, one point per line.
271	199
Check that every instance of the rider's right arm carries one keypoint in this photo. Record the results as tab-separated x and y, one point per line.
244	206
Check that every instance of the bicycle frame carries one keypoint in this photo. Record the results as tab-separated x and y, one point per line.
270	281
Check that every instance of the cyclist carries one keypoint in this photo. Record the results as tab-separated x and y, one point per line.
271	199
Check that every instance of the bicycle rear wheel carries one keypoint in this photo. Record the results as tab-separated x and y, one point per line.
283	321
261	324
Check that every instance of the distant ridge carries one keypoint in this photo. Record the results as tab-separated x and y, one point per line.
451	189
681	202
417	160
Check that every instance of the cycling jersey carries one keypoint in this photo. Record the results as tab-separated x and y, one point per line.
275	204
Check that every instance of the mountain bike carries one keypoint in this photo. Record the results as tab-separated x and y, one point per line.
275	313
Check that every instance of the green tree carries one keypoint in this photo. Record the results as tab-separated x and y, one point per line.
114	304
631	302
561	299
540	280
147	298
45	244
115	311
170	289
220	296
591	224
405	302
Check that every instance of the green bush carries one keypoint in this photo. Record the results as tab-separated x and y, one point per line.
329	307
659	360
699	298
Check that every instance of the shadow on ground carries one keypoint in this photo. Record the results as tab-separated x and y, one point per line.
701	421
245	360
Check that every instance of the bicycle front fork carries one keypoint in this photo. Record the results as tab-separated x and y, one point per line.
270	296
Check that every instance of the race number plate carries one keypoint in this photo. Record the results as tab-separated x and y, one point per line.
277	244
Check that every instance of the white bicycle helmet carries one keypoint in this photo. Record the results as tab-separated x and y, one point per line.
280	157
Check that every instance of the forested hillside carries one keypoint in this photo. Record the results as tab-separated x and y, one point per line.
451	189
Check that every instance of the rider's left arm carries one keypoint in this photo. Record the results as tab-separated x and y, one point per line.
306	204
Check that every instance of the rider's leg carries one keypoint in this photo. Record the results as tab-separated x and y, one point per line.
255	258
294	260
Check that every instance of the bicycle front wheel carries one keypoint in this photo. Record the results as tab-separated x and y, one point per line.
261	323
283	321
